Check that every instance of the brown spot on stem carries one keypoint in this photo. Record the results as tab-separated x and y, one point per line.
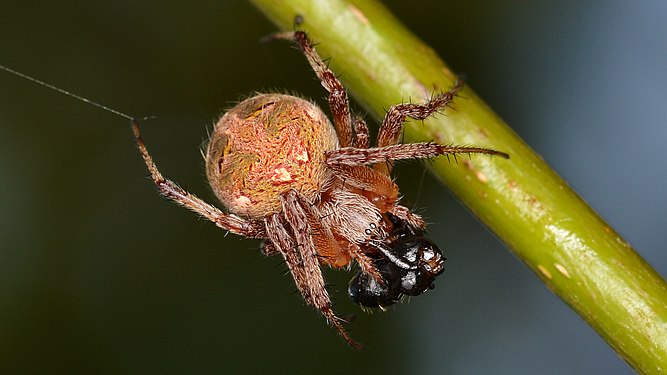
358	14
544	271
562	270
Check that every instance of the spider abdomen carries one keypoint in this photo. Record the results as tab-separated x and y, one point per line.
265	146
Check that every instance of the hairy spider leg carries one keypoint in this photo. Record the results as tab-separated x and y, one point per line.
361	139
170	190
392	124
340	106
423	150
303	263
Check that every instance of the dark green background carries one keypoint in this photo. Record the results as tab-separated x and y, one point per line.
100	275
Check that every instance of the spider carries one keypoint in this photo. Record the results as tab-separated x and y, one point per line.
315	192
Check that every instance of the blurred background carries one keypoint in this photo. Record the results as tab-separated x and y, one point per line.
100	275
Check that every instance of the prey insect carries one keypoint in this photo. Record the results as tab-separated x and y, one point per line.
408	265
315	191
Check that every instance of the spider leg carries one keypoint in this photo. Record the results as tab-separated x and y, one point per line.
358	156
340	108
282	242
413	219
170	190
313	282
360	133
392	124
366	263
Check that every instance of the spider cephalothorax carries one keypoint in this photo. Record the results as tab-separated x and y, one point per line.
317	193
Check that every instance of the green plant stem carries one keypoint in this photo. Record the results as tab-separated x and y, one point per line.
522	200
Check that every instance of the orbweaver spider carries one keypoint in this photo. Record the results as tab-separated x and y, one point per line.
317	193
